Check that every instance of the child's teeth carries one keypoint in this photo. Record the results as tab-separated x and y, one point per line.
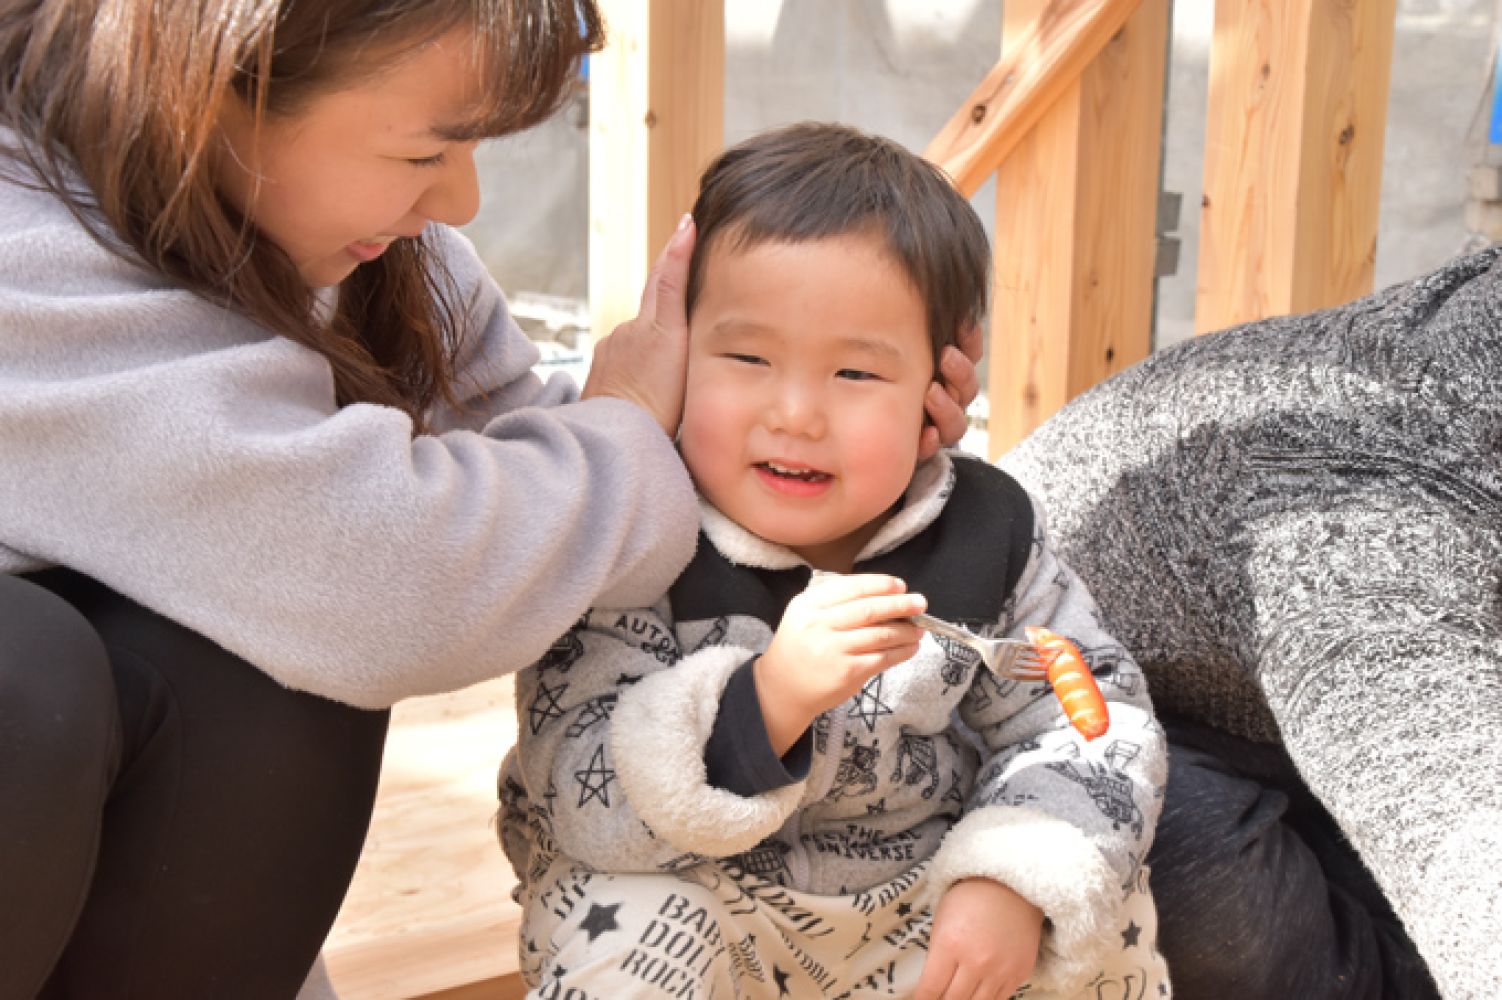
792	473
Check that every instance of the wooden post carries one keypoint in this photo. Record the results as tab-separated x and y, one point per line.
657	98
1075	239
1293	156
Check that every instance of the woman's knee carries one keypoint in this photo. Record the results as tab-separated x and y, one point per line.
238	718
58	703
59	738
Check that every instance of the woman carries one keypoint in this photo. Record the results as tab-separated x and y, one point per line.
271	457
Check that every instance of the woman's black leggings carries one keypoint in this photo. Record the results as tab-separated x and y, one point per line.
173	823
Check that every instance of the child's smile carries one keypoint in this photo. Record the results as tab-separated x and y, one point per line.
794	480
808	365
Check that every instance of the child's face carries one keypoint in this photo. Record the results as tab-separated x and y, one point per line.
808	364
363	166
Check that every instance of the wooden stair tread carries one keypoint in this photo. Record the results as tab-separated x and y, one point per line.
429	913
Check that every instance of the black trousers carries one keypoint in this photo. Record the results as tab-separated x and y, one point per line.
1259	895
173	823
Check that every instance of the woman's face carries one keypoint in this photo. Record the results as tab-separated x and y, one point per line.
336	182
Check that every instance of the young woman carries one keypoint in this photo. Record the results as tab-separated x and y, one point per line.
271	457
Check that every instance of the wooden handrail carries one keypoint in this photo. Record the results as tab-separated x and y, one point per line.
1021	87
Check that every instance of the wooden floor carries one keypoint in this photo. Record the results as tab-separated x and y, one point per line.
429	913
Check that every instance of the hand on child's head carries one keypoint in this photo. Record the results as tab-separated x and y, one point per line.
644	360
957	386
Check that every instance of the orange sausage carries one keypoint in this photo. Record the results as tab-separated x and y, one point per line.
1073	684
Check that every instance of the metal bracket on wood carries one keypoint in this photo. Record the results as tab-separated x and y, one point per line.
1166	259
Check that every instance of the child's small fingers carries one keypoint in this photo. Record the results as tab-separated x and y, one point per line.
895	640
890	609
874	584
831	589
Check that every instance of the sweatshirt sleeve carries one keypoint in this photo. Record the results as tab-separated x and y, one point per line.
612	729
200	465
1063	821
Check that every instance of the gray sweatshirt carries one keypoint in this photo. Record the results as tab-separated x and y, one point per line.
198	463
1296	527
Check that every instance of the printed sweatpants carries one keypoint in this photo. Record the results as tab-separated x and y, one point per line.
709	933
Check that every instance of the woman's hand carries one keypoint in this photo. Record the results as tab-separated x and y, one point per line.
984	943
645	361
835	636
947	400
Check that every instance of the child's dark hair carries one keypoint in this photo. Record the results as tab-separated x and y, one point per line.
814	180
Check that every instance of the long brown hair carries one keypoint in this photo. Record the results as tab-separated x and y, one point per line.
813	180
114	105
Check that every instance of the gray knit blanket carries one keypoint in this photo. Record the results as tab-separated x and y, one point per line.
1296	527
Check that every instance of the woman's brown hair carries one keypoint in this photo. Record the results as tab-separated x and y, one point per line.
815	180
114	105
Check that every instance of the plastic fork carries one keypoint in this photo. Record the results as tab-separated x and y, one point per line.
1014	659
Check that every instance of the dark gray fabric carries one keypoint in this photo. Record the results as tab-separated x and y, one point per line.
173	822
1296	528
1259	895
739	756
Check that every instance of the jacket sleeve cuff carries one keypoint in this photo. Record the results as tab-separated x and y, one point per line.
659	733
739	757
1054	866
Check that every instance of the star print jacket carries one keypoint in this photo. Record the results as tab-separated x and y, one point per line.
935	758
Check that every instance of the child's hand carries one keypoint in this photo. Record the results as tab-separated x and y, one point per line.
835	636
984	943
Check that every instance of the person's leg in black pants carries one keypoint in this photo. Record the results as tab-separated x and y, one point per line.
1259	895
173	823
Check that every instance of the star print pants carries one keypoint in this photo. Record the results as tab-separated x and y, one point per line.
706	932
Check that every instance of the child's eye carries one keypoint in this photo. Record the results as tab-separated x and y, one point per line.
856	375
749	359
436	160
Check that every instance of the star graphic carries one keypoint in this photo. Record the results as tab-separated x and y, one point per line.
594	712
545	706
1129	936
782	981
600	920
868	705
594	781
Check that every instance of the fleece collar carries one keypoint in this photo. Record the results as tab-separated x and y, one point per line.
921	504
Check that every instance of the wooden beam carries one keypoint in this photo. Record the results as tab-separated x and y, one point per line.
657	97
1075	234
1044	57
1293	156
